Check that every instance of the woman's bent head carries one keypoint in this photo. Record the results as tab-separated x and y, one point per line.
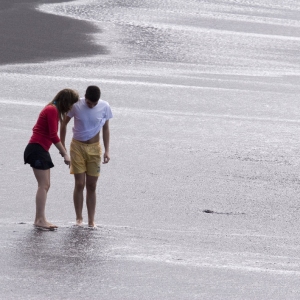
64	101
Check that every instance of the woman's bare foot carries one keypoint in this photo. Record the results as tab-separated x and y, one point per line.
44	224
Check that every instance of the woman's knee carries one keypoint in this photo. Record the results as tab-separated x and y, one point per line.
45	186
43	178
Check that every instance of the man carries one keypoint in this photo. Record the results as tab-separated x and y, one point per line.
90	115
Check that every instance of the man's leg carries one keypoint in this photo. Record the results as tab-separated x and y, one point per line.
78	196
43	179
91	183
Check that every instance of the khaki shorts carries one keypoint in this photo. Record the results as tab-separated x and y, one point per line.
85	158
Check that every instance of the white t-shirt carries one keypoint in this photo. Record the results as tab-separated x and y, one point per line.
89	121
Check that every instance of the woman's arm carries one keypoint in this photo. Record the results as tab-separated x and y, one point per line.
63	152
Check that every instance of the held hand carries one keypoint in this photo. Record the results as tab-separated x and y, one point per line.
106	158
67	159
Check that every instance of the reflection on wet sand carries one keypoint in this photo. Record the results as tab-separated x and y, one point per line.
68	247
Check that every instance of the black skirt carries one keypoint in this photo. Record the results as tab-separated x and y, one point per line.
37	157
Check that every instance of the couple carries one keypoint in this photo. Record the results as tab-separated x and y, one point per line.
90	115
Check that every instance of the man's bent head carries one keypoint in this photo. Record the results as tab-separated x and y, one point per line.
93	93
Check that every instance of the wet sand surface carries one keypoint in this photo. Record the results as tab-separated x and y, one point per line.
128	263
29	35
158	236
200	198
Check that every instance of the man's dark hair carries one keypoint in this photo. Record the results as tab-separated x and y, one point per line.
93	93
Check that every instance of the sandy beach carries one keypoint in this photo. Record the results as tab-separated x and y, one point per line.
200	198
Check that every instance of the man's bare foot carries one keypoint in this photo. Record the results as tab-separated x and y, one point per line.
44	224
92	224
79	222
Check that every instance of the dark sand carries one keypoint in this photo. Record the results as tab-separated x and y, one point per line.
28	35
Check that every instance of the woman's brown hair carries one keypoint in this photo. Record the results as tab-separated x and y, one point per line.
64	101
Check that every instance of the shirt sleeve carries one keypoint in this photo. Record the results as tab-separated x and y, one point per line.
71	112
52	119
109	114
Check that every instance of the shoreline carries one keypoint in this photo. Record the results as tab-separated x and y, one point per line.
28	35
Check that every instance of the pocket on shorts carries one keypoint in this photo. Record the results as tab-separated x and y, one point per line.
94	150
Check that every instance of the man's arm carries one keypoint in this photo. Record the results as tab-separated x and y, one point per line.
63	129
105	132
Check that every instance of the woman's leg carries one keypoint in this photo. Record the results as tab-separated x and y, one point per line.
43	179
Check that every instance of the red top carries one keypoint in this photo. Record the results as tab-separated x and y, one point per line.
46	127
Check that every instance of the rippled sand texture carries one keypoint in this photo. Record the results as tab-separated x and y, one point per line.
200	199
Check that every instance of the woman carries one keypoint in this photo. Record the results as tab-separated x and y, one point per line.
37	151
